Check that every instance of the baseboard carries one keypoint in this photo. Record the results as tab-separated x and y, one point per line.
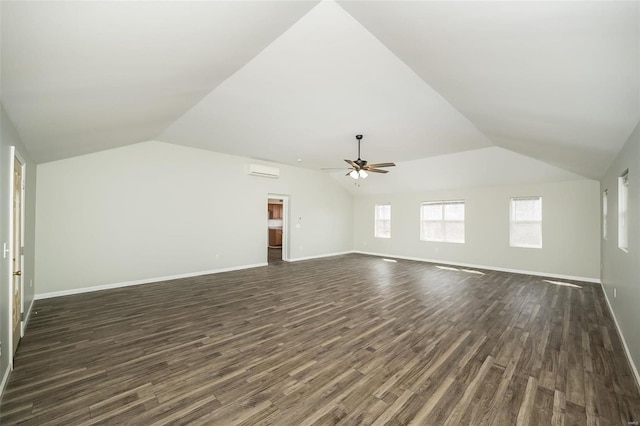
5	379
490	268
27	316
319	256
143	281
624	342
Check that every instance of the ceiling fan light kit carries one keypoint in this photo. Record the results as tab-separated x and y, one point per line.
361	168
358	174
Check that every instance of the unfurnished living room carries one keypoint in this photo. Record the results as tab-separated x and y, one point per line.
320	212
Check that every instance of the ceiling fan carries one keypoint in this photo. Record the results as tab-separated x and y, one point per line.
360	168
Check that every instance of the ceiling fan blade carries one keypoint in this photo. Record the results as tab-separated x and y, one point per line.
352	164
348	173
381	165
378	171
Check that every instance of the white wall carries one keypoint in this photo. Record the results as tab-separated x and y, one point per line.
621	270
570	215
8	138
153	210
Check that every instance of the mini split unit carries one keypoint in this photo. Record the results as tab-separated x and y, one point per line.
264	171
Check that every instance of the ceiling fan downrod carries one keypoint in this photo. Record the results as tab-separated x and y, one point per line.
359	137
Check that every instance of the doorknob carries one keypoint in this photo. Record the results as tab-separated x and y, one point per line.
17	273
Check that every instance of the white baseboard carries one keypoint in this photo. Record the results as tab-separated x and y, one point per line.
624	342
5	379
170	277
319	256
27	316
143	281
490	268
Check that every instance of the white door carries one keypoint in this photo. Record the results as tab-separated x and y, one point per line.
17	254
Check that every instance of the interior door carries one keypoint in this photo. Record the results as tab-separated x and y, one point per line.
17	252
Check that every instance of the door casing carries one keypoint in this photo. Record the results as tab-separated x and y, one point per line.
285	223
16	250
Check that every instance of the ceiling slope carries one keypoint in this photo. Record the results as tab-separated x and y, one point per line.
79	77
312	90
432	85
557	81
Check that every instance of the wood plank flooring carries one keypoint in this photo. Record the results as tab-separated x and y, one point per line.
274	254
348	340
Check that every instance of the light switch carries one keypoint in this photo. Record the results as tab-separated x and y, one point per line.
5	250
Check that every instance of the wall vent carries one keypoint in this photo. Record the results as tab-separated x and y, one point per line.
264	171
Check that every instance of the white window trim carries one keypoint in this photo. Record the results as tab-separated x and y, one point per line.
443	221
512	221
375	221
605	212
623	211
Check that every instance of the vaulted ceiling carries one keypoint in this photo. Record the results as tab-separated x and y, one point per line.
538	90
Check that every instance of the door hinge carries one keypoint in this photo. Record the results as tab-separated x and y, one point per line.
22	251
21	316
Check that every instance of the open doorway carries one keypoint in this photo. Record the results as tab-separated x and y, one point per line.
277	208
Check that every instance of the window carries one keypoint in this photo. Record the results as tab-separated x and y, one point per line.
383	221
442	221
526	222
605	209
623	203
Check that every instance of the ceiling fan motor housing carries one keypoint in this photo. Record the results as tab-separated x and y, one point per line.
360	167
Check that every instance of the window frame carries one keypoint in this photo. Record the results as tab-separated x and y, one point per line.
443	221
605	213
623	211
376	219
512	221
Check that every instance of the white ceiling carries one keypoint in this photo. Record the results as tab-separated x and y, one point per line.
552	87
80	77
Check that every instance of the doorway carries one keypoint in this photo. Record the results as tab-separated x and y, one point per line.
17	244
277	235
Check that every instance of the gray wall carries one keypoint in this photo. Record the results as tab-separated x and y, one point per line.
8	138
621	270
570	229
154	210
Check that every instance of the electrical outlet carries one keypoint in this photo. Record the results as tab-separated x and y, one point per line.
615	293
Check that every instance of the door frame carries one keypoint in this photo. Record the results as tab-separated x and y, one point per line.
14	154
285	223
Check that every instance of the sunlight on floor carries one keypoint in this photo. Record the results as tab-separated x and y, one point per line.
447	268
468	271
471	271
562	283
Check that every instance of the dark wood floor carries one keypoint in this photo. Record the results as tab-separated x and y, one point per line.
344	340
274	254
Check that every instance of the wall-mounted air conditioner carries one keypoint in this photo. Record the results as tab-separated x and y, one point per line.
264	171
